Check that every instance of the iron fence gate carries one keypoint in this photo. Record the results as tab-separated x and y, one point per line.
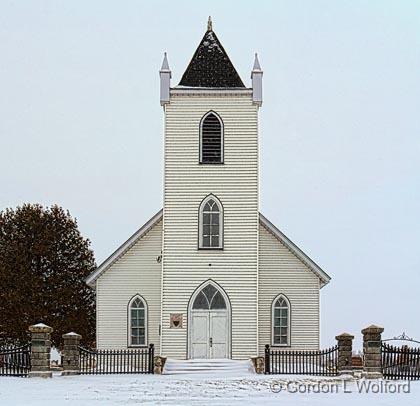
15	361
133	361
400	362
321	362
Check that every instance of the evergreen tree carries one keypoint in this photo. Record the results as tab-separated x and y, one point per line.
43	263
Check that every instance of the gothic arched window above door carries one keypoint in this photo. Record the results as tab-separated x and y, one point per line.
209	298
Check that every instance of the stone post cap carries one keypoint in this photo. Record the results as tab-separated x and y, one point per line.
40	328
72	335
344	336
373	329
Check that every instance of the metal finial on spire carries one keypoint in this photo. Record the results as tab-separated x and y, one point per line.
209	24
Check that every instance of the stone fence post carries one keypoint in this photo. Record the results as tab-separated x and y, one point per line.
40	350
345	350
70	361
372	366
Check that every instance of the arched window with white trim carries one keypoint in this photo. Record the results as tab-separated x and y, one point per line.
137	322
211	139
211	223
281	321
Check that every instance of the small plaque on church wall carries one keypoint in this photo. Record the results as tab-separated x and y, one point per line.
176	320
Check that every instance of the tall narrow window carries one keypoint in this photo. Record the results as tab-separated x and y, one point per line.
281	321
211	223
211	139
137	321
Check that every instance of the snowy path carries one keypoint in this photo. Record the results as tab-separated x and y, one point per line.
184	390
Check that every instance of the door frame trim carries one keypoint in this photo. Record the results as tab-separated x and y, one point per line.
190	312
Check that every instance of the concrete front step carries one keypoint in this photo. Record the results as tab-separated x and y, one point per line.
208	366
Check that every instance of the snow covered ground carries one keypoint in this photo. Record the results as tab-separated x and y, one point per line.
249	389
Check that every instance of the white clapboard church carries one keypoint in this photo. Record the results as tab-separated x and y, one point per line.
209	276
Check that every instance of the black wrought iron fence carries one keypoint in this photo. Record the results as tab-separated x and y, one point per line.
132	361
318	362
400	362
15	361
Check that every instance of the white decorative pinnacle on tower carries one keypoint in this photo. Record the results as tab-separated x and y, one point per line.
256	76
165	81
209	24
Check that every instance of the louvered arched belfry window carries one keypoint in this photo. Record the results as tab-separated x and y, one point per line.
211	139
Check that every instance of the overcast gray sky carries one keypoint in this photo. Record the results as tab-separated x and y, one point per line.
81	126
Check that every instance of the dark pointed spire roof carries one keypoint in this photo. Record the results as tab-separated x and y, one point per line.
210	66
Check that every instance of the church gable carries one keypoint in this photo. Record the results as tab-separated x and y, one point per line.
309	264
133	279
124	248
281	273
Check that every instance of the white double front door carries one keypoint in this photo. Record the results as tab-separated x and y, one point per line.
209	334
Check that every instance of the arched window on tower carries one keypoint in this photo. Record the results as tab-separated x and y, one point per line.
281	321
211	139
211	223
137	322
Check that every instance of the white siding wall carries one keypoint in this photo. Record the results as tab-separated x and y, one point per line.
235	183
282	272
136	272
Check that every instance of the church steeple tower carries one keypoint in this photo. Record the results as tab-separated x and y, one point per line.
210	204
